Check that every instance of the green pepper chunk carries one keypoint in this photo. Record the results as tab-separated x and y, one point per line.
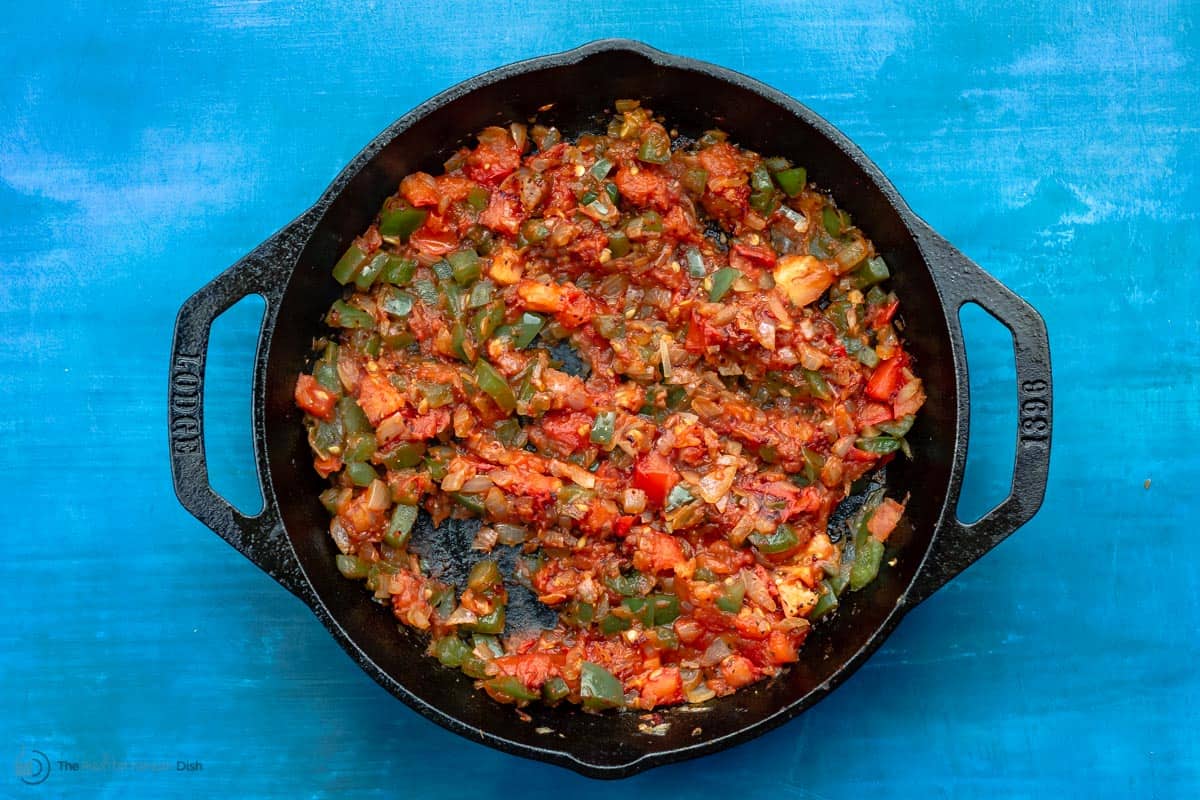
398	303
827	602
370	271
666	608
613	624
331	498
399	271
555	690
630	584
490	623
361	474
695	263
450	650
471	502
486	321
792	181
730	600
462	346
722	281
401	222
494	384
601	168
464	266
679	496
781	541
666	637
327	435
509	685
436	394
602	428
437	462
599	688
898	427
346	267
579	614
352	566
655	147
831	220
359	447
817	384
618	244
400	525
484	575
326	374
534	230
481	294
348	316
477	198
641	609
868	551
474	667
353	418
527	329
614	194
426	290
873	270
880	445
695	180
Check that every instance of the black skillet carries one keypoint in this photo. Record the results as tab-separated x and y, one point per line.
289	539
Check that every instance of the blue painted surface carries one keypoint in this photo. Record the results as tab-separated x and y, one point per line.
144	148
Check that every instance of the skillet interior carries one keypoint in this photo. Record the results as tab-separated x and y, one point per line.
693	97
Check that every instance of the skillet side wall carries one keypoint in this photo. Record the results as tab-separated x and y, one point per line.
692	100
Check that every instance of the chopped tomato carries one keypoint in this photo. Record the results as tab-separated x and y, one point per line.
420	189
663	686
782	648
314	398
643	186
378	398
504	213
655	476
757	255
873	414
495	158
656	552
882	315
884	520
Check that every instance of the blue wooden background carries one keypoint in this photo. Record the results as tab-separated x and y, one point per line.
145	147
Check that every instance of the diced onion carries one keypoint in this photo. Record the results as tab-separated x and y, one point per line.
633	501
477	485
485	539
378	496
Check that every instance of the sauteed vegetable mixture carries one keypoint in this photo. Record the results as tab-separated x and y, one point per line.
741	368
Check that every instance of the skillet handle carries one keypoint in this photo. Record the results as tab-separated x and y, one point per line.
263	271
962	281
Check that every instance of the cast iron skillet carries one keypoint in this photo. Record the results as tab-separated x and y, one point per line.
289	538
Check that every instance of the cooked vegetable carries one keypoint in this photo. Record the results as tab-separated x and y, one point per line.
650	373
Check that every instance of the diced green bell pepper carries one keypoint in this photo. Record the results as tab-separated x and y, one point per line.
722	281
781	541
509	685
792	181
494	384
599	688
602	428
401	222
352	566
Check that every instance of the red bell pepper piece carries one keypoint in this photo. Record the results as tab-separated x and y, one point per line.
885	380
